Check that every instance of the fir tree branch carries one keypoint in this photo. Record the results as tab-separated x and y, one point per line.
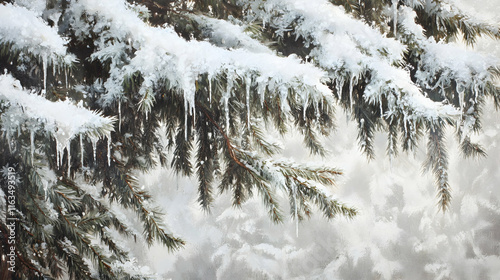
330	207
470	149
30	267
152	227
103	262
204	164
94	205
264	189
77	269
392	138
265	146
437	160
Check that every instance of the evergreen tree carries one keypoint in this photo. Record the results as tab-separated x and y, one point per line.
95	92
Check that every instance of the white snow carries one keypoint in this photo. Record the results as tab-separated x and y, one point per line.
162	54
231	36
345	46
62	119
397	234
27	31
443	64
449	62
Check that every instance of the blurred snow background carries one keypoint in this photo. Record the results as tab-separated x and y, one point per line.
399	233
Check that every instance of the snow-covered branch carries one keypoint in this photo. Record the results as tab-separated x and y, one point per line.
62	120
26	31
160	54
348	47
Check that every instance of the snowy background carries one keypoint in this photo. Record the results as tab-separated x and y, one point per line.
399	233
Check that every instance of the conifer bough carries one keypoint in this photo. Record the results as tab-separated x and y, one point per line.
95	92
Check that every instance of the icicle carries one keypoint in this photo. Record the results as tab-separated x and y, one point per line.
61	143
306	99
119	116
108	142
317	109
81	150
44	64
57	153
461	92
66	76
8	141
210	91
68	148
339	85
443	94
248	83
476	92
350	90
193	113
94	148
226	109
294	191
381	108
262	93
226	100
395	16
32	141
185	119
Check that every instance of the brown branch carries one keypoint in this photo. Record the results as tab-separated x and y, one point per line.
37	206
229	145
27	264
63	195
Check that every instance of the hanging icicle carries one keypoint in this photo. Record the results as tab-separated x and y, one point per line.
226	99
248	84
108	142
350	91
66	76
210	91
44	66
193	113
68	149
381	107
441	86
57	153
261	89
338	85
8	140
81	151
304	106
395	16
119	115
94	148
186	110
226	109
32	142
461	92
